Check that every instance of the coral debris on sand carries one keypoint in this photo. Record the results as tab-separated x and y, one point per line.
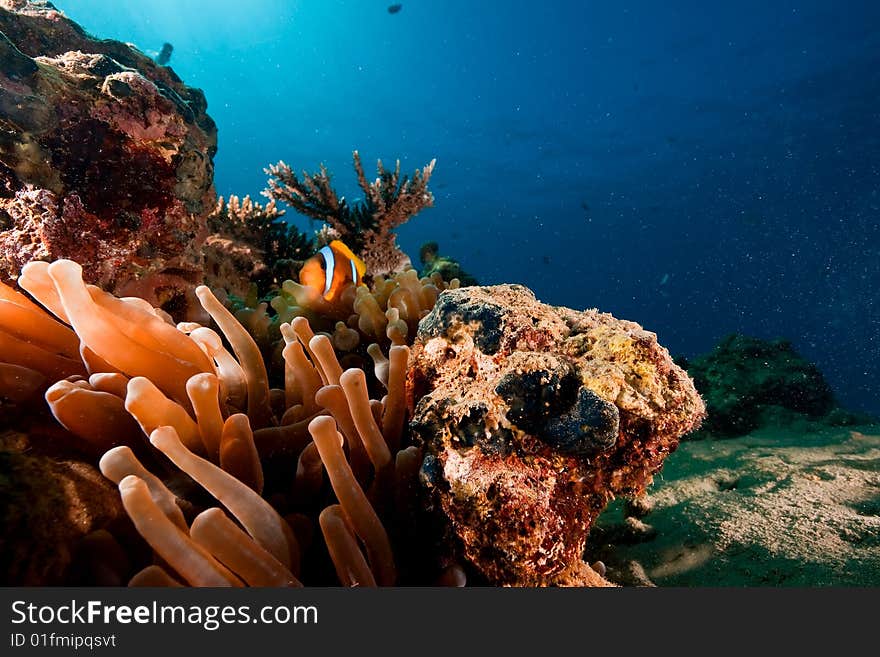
105	158
780	507
533	417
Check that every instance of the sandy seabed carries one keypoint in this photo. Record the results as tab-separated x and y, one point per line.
791	506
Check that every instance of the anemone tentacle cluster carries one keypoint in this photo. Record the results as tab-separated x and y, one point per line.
139	391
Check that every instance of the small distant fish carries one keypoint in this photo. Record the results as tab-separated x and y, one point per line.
393	9
545	259
665	279
331	269
164	54
752	219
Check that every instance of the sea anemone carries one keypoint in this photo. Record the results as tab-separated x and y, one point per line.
220	473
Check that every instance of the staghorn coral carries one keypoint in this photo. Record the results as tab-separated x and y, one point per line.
367	226
105	158
251	244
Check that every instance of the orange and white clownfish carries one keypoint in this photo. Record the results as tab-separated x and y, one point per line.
331	269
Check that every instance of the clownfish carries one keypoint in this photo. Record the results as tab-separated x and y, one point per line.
331	269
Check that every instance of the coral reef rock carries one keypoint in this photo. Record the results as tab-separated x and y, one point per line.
105	158
534	417
748	382
434	263
47	506
251	244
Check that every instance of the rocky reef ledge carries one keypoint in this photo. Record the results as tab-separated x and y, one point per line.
533	418
105	158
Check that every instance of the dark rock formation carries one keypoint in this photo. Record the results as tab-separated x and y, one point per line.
748	382
434	263
105	158
48	505
533	417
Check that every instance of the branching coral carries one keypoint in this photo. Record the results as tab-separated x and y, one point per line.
251	244
367	226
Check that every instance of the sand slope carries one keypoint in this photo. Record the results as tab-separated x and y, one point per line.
798	506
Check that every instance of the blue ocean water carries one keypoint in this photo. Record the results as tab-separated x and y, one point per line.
701	168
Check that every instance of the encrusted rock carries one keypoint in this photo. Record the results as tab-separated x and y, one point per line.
105	158
533	417
47	506
251	244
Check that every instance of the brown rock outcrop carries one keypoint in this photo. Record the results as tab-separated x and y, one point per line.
105	158
47	507
533	418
